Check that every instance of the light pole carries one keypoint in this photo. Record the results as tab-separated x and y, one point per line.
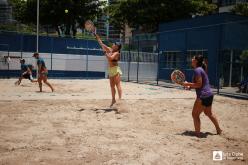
37	26
107	23
37	33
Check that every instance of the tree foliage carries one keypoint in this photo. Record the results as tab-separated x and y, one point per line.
19	8
52	12
241	9
149	13
244	57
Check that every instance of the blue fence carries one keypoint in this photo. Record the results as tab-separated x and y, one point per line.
65	57
215	37
27	43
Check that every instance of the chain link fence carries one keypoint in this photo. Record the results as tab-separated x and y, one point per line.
147	58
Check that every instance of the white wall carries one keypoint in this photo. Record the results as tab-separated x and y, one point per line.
72	62
68	62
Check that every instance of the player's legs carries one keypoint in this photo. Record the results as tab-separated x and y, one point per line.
197	110
212	117
112	86
118	85
18	82
32	79
40	82
47	83
25	76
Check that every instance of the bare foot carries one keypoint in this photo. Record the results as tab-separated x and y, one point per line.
113	102
52	89
198	134
17	83
219	132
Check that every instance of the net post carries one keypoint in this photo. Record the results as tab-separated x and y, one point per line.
8	63
218	59
51	53
138	60
21	45
87	58
158	56
129	59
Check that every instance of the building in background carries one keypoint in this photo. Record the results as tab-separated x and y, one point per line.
5	12
227	5
105	29
130	36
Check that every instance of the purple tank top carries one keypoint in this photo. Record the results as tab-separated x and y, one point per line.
205	90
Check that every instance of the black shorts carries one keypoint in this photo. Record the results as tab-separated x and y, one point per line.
27	76
207	101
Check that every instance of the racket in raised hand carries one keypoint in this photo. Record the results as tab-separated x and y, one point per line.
90	27
177	76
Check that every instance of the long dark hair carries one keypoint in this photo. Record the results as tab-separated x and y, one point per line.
119	46
200	61
119	49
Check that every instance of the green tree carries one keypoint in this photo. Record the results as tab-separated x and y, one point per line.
244	57
149	13
241	9
244	62
19	8
61	14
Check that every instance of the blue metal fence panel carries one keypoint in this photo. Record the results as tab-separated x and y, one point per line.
27	43
212	33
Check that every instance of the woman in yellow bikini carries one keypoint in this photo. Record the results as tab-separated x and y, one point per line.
114	71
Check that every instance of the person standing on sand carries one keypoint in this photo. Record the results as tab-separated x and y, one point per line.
203	102
114	71
42	72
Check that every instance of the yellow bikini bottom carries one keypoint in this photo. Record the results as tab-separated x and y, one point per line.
112	71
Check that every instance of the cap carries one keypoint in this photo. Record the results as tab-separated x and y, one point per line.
119	45
35	54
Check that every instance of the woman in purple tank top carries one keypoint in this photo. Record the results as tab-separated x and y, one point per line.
203	102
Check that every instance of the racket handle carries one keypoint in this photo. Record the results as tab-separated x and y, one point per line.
94	32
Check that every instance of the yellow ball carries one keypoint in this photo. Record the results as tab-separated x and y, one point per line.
66	11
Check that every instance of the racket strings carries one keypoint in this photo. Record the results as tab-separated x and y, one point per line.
89	26
177	76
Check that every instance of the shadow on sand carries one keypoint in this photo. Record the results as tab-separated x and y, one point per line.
192	133
105	110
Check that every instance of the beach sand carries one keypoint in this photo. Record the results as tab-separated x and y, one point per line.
151	126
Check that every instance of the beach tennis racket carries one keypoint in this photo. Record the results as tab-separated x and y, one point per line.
90	27
177	76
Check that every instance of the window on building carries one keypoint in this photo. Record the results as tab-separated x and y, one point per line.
172	59
192	53
231	2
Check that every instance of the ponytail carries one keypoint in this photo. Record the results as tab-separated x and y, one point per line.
201	62
204	66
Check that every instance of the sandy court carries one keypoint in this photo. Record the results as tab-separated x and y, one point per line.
151	125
